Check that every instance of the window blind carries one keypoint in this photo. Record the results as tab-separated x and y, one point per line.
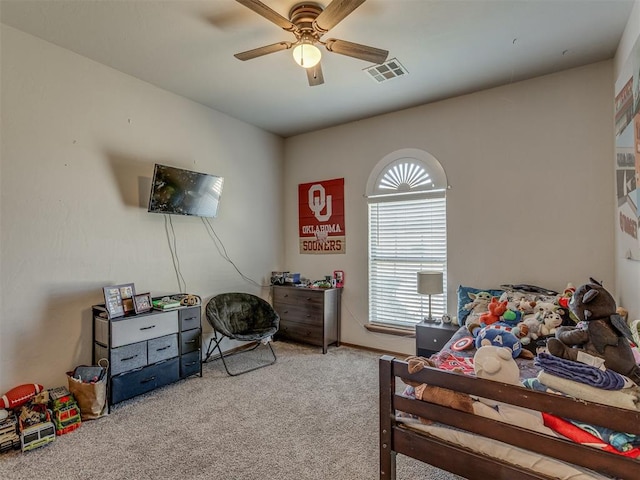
405	236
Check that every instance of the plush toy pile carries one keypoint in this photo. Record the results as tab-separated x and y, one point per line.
523	315
589	353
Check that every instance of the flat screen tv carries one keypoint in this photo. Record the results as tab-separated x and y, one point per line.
183	192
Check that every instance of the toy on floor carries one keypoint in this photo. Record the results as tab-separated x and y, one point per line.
36	428
66	413
20	395
9	438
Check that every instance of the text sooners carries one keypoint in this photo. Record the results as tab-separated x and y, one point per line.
326	246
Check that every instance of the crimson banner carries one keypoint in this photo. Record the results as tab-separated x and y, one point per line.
321	217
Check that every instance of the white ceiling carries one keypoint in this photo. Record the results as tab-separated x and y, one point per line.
449	47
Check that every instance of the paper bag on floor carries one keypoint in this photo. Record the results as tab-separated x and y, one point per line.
89	387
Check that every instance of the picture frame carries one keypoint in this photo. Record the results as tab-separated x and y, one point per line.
113	301
142	302
127	292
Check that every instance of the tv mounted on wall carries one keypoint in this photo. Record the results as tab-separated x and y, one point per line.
183	192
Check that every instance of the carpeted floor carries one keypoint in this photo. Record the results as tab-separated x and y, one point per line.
308	417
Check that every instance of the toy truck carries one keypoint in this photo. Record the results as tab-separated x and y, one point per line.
66	413
36	427
9	438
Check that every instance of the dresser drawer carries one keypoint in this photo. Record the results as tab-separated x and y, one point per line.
190	341
162	348
189	318
301	332
306	314
128	357
299	297
141	328
190	364
144	380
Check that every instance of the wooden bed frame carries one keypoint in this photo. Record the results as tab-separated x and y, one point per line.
396	438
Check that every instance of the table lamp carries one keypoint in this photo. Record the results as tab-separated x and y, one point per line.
429	283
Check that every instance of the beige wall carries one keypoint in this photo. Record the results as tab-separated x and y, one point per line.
79	141
627	271
529	165
531	199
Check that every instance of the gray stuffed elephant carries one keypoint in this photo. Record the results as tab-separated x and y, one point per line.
606	334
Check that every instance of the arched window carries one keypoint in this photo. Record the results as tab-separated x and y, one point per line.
406	193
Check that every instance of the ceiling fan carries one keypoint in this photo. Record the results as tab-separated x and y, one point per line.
309	21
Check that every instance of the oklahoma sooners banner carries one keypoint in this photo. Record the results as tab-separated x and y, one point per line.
321	216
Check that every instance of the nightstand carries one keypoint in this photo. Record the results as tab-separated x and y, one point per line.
432	336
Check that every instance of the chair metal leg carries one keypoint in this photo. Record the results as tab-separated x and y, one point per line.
222	355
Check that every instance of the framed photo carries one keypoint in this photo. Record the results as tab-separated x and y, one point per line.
142	302
113	301
127	292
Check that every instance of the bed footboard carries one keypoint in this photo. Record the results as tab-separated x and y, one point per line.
396	438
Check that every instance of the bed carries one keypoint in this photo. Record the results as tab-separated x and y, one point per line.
482	448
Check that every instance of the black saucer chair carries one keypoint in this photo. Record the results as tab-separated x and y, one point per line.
244	317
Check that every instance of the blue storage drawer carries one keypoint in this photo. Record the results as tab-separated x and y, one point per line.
190	364
144	380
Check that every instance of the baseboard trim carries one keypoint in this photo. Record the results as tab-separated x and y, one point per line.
374	350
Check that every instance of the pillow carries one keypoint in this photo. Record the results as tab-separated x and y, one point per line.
463	299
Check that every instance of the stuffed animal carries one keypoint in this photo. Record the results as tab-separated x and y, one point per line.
550	323
528	329
605	334
433	394
525	306
496	309
542	308
499	336
477	306
497	364
418	363
511	317
479	302
444	396
565	298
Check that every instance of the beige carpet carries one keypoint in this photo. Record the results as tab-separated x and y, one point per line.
308	417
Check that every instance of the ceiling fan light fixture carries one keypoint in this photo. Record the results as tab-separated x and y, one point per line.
306	54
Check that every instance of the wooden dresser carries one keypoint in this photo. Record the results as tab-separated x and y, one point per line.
308	315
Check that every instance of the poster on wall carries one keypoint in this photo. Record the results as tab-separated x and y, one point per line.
321	217
627	127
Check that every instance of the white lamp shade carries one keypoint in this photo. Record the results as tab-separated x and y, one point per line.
306	54
429	283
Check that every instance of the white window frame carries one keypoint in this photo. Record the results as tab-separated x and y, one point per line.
406	194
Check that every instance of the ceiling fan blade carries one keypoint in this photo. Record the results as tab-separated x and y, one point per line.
314	75
335	12
271	15
355	50
258	52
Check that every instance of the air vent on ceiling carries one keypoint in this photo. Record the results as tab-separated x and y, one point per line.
386	71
